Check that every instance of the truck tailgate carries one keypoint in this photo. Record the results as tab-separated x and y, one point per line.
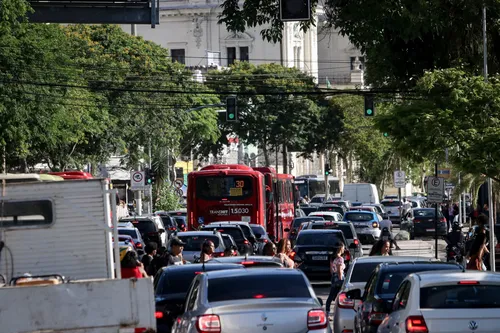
108	305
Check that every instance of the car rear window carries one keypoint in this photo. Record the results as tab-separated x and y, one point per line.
181	221
298	221
227	241
318	199
361	272
236	233
127	232
246	230
430	213
327	217
258	229
346	229
264	286
460	297
391	203
320	239
145	226
358	217
193	243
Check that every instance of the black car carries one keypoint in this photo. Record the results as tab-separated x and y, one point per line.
332	208
308	209
261	235
229	243
150	231
171	284
250	262
381	287
342	203
244	245
168	222
315	248
421	222
296	225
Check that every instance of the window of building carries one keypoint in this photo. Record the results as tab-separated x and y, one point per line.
178	55
244	56
231	55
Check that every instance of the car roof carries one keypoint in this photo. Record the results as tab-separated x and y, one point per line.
245	258
404	266
310	231
199	267
382	259
451	277
422	208
331	222
253	272
127	228
230	222
329	205
195	233
215	226
360	211
323	213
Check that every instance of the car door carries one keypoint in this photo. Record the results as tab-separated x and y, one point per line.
188	318
396	320
366	302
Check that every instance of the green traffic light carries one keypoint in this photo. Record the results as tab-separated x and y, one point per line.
231	116
369	112
386	134
149	181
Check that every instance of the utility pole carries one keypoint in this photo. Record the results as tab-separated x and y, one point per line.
133	29
327	173
490	182
436	219
150	187
285	158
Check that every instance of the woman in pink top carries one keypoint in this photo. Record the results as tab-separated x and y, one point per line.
337	268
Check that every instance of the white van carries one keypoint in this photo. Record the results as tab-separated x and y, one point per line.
361	192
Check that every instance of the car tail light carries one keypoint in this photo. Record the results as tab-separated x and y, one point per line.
347	331
265	241
208	324
246	242
416	324
292	255
259	296
247	263
316	319
173	228
376	318
218	254
375	224
140	330
468	282
452	253
138	245
158	315
442	220
347	256
344	302
356	242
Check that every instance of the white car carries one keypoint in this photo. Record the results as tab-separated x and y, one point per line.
194	240
357	276
328	216
458	302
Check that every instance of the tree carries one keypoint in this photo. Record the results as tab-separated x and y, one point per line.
401	39
269	111
456	111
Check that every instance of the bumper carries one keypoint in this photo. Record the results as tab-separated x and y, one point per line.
429	230
343	320
395	219
367	235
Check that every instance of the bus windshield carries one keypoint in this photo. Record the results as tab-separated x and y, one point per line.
224	187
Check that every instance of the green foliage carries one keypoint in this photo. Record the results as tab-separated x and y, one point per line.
166	199
457	111
269	120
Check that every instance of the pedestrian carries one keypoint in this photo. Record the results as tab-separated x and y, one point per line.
207	251
131	267
381	248
121	210
477	252
174	256
269	249
151	249
337	268
284	249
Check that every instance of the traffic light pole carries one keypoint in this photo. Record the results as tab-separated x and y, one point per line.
327	162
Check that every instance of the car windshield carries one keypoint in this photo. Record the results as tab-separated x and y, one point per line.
129	232
358	217
391	203
258	229
318	199
319	239
257	287
327	217
458	296
346	229
298	221
430	213
361	272
193	243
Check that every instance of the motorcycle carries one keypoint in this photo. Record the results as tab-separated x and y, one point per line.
454	253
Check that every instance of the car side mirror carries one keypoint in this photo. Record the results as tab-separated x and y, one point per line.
287	230
352	246
354	294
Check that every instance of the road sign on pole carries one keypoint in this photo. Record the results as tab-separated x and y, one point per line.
399	179
137	180
435	189
178	183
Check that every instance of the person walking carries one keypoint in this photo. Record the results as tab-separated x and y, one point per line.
337	268
131	267
121	210
207	251
477	251
150	249
284	249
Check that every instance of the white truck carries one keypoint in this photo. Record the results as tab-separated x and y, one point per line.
361	192
66	228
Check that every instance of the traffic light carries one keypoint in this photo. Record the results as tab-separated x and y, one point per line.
328	170
231	109
295	10
386	134
149	176
369	106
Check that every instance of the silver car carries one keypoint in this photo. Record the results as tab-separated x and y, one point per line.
194	240
357	276
252	300
366	224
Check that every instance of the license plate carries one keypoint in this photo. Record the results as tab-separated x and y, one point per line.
320	257
429	230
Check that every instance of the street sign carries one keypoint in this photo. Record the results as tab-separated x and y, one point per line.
435	189
178	183
179	193
399	179
444	173
137	180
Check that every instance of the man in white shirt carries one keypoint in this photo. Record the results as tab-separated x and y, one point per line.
387	223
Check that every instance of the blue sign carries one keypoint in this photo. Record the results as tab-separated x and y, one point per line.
201	220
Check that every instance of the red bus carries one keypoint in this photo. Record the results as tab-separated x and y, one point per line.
280	208
225	192
72	174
